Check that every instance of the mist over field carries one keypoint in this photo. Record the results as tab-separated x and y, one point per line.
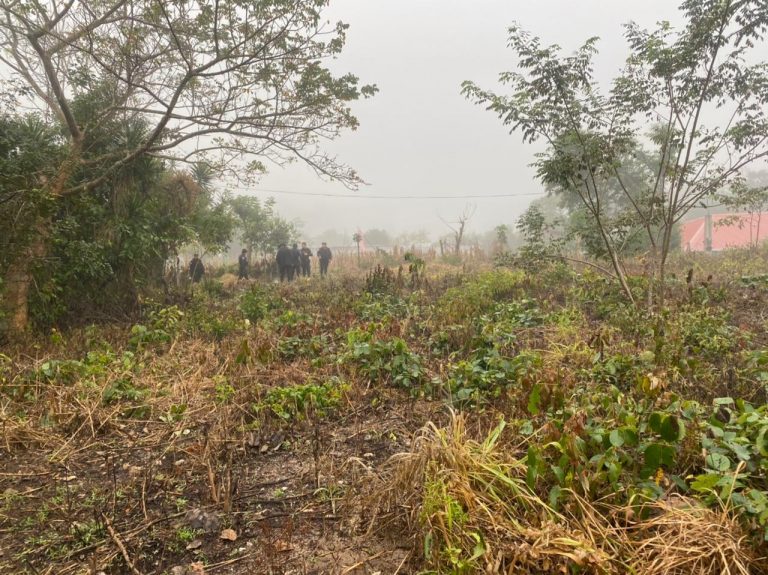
418	136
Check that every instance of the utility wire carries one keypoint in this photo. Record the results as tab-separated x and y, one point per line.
379	197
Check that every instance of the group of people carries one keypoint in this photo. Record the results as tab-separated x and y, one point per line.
291	263
294	262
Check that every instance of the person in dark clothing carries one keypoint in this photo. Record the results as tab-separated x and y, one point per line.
306	253
196	269
325	256
242	263
296	260
284	263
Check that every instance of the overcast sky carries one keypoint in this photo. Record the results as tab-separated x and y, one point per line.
418	136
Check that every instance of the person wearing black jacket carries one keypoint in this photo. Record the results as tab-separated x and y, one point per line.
196	269
306	253
242	263
295	261
324	255
284	259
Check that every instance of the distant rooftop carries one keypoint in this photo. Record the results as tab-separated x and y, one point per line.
719	232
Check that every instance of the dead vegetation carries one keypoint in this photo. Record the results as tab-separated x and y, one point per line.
466	503
354	427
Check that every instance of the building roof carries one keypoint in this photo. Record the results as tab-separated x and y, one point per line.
728	231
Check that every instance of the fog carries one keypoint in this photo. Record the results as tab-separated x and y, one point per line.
418	136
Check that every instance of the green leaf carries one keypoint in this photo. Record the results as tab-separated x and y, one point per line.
616	438
653	456
558	473
554	496
534	400
706	482
479	549
762	442
614	471
533	466
658	455
718	462
654	422
428	538
741	451
672	429
629	435
244	354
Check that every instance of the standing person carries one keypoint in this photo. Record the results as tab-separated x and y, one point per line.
283	259
196	269
242	263
306	253
325	256
296	260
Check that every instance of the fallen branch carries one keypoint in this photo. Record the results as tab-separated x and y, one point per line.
119	543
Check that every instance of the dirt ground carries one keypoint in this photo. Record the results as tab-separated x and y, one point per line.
289	495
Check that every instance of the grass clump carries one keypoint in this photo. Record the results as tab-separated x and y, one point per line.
470	507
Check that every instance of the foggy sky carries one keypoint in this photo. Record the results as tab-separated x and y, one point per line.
418	136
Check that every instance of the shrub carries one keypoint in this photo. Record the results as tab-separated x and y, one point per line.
256	303
487	374
387	361
477	296
304	401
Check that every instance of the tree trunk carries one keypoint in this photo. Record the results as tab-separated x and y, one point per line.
651	275
18	283
15	300
15	295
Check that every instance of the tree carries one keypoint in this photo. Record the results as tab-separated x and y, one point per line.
27	146
459	227
679	83
220	81
357	237
501	242
261	227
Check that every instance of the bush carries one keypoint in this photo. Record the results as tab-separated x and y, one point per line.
387	361
304	401
487	374
477	296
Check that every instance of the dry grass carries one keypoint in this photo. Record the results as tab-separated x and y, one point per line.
683	537
470	505
466	503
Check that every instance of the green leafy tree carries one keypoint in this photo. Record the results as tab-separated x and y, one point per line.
501	238
219	81
541	242
107	245
678	82
261	227
29	148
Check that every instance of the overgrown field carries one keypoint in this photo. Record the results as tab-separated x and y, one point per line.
449	420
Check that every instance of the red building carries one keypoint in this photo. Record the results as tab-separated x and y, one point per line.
718	232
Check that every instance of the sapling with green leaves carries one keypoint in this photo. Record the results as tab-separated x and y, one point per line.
693	100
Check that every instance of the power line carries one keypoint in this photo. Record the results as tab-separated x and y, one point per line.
380	197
